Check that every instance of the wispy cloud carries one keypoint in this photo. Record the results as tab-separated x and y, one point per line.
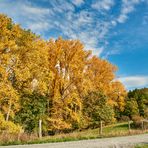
145	19
111	52
61	6
83	25
104	4
31	10
28	15
37	27
91	24
77	2
127	7
134	81
61	16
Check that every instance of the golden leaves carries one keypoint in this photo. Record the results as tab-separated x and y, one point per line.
60	69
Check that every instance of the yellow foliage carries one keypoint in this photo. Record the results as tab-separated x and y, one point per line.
9	127
59	69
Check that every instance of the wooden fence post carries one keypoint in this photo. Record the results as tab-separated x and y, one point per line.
100	127
129	126
142	125
40	128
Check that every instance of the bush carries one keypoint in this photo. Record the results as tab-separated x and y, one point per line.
9	127
124	118
137	121
146	113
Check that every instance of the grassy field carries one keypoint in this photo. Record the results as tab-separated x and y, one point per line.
120	129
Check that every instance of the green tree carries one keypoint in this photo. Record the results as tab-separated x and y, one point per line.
33	108
131	108
97	109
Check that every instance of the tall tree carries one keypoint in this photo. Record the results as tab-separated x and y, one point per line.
67	58
101	77
96	109
9	33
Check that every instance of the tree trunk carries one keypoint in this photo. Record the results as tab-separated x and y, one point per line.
48	107
129	126
142	125
8	113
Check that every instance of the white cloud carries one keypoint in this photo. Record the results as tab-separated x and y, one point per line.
98	51
87	25
134	81
127	7
110	52
145	19
122	18
84	17
38	26
83	26
35	10
77	2
29	16
62	17
61	6
114	23
103	4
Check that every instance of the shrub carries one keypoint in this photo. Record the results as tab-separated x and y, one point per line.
146	113
137	121
124	118
9	127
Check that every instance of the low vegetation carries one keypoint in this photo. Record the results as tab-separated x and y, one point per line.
120	129
142	146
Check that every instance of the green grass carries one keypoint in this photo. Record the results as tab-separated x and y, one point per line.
116	128
142	146
120	129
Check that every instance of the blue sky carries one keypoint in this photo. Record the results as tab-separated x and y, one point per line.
116	30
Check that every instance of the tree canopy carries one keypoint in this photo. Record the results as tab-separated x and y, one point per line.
57	81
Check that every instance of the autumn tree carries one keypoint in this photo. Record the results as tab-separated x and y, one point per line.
117	95
9	33
23	67
68	59
101	78
32	80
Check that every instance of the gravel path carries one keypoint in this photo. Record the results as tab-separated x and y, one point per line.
115	142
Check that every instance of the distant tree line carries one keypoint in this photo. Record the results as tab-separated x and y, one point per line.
136	104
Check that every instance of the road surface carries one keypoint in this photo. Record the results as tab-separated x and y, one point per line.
115	142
